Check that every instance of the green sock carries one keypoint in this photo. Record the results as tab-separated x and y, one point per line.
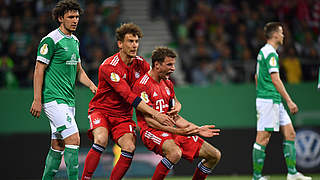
258	156
52	164
289	152
71	159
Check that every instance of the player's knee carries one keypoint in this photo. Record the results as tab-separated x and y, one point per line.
291	136
174	154
101	139
129	147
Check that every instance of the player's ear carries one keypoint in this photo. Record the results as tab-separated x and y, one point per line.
60	19
119	44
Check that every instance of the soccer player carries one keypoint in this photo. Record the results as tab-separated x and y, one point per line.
56	69
110	110
270	111
172	143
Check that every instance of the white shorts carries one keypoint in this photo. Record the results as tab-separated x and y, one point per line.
270	116
61	117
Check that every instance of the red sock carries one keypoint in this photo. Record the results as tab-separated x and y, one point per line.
92	161
122	166
162	169
201	172
199	175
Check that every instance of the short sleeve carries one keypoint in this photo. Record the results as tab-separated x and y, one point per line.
272	62
45	50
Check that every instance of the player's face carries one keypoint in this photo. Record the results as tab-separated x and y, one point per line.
130	45
279	35
167	67
69	21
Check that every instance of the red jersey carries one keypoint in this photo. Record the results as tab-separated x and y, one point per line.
155	94
114	88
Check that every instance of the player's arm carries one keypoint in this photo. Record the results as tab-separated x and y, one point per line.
175	109
282	90
186	131
38	77
205	131
84	79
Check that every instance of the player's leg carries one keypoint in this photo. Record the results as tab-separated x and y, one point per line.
56	116
124	135
289	149
127	143
100	136
53	159
99	133
267	122
211	156
258	152
171	156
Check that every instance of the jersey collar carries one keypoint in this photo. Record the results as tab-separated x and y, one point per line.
67	36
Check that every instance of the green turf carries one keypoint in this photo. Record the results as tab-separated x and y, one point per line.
272	177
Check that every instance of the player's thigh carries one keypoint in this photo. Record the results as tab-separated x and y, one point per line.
268	115
120	126
127	142
100	136
62	121
209	152
170	147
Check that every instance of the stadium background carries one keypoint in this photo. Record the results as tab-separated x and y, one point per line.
217	42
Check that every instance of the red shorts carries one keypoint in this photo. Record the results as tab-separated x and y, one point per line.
190	145
116	126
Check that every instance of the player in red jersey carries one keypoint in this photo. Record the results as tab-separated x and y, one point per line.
172	143
110	110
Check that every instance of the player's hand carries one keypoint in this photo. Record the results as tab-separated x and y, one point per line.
188	130
164	119
292	107
174	110
208	131
93	88
35	109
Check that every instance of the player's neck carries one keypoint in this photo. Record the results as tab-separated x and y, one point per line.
125	58
154	75
274	44
64	30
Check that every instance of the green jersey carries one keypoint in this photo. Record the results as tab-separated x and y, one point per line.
61	53
267	63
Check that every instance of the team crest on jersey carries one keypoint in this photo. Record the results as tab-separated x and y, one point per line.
96	121
144	97
164	134
168	91
44	49
114	77
273	61
137	75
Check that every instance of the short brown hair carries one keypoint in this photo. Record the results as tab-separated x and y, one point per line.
160	53
128	28
270	28
62	7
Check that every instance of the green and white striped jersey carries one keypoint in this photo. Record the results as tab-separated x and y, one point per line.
61	53
267	62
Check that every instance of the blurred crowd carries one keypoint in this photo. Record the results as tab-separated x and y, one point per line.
217	40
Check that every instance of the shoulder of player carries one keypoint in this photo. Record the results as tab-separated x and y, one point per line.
54	35
75	38
112	61
143	80
268	51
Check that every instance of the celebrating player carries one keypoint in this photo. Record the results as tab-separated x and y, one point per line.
110	110
172	143
270	111
58	62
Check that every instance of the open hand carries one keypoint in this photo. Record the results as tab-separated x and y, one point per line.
208	131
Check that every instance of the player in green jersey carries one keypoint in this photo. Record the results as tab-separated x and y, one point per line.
57	67
270	111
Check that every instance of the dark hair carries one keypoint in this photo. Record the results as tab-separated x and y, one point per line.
128	28
62	7
160	53
270	28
